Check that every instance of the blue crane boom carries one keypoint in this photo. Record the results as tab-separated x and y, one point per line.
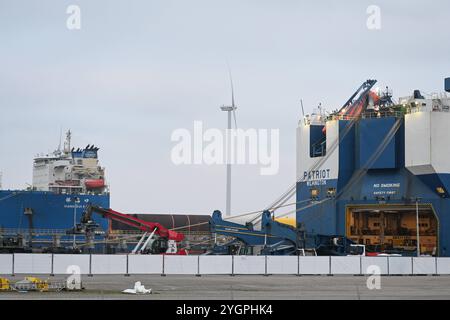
273	238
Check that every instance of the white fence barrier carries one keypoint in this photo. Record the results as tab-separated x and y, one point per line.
400	265
145	264
68	263
314	265
180	264
346	265
32	263
424	265
249	264
6	264
443	266
108	264
368	264
215	264
97	264
282	264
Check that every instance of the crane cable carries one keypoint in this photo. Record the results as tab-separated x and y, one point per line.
260	211
238	216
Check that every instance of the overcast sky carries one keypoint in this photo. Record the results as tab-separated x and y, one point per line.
137	70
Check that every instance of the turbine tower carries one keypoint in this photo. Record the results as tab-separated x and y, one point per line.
229	110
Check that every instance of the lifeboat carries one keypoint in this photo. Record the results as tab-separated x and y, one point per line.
94	183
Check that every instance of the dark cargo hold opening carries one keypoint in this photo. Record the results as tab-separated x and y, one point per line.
393	229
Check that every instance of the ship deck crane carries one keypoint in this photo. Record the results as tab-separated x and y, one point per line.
354	106
156	238
274	238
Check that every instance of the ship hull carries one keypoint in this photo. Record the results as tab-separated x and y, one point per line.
48	210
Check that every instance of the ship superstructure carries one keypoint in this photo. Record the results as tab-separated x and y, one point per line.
69	171
378	171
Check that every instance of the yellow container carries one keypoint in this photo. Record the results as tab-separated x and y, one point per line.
4	284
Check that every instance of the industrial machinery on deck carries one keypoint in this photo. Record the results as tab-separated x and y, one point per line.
156	239
13	244
275	238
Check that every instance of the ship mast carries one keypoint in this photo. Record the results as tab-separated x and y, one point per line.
67	142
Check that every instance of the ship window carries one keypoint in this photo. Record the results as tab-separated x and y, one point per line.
314	193
331	192
317	141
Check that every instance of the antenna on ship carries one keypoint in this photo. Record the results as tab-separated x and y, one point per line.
303	110
67	142
60	138
229	110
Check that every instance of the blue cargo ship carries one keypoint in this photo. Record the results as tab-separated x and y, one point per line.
64	183
378	172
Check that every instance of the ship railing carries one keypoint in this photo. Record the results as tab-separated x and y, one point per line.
367	115
138	232
35	232
26	231
435	108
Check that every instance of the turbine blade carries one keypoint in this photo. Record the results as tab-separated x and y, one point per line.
232	95
232	86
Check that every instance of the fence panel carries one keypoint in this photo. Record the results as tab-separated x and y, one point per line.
282	264
314	265
346	265
32	263
61	263
380	262
424	265
6	261
145	264
249	264
180	264
215	265
443	266
400	265
109	264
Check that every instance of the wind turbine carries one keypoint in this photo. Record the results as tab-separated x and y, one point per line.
229	110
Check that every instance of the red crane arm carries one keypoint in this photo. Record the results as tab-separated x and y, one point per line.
134	222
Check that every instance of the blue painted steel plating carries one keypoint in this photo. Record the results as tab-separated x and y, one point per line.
400	186
49	210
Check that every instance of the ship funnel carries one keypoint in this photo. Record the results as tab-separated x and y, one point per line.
418	95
